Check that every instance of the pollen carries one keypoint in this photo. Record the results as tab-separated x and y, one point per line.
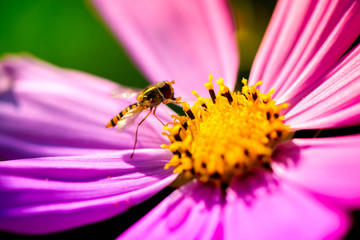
226	135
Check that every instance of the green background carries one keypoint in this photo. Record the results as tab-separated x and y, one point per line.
67	33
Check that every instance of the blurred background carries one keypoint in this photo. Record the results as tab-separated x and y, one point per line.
70	34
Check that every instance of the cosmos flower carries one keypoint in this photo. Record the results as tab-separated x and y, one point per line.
66	170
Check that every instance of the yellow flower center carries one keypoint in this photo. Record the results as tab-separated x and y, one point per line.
226	135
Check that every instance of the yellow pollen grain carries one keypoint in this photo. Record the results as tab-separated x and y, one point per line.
227	136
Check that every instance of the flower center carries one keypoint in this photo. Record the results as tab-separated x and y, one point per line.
226	135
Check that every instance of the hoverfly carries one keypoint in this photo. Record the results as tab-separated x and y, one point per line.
149	98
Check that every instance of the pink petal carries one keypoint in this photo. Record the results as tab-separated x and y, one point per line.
45	195
335	103
274	210
257	207
184	41
191	212
328	167
49	111
303	41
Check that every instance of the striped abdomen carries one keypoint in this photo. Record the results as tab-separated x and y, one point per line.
130	110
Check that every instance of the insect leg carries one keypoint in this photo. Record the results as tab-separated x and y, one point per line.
157	117
136	134
175	101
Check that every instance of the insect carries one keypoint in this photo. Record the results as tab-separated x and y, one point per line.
149	98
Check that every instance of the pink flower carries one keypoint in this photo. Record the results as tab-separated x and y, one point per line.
66	170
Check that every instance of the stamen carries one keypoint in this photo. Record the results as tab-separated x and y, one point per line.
200	100
177	136
225	136
204	106
228	96
212	95
188	111
210	88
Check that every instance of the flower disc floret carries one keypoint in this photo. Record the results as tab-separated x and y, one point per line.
226	135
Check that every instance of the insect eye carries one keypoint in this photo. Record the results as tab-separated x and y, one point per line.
166	90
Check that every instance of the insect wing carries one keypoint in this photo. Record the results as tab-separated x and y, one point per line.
128	93
129	118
